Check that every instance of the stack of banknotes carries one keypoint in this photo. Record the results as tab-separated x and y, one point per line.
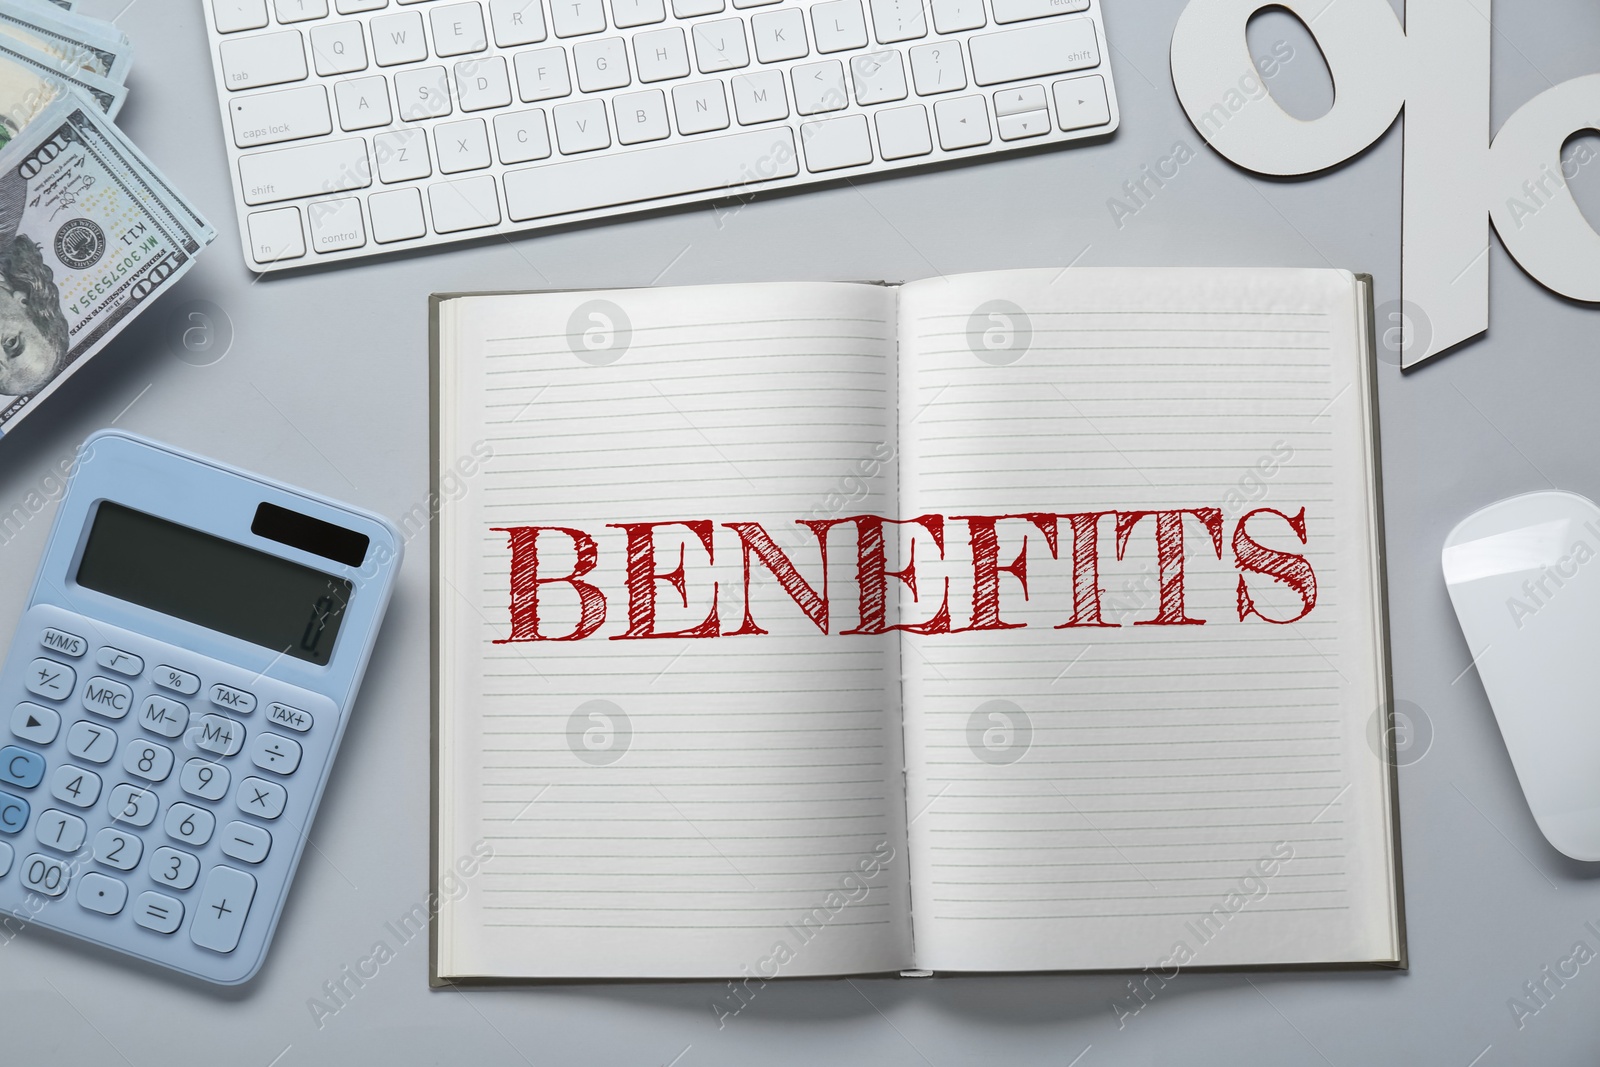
90	232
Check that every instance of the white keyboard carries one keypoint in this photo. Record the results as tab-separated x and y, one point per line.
357	127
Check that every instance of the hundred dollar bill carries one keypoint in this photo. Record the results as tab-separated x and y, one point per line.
106	94
78	42
89	237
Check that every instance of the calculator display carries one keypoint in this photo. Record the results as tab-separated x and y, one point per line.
213	582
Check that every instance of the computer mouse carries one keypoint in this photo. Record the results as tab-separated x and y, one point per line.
1524	576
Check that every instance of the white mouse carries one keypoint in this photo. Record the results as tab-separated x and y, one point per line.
1524	576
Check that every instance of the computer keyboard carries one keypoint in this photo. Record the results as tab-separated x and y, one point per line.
357	127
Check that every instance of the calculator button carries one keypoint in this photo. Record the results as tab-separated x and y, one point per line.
102	893
159	913
63	643
226	696
190	824
18	766
206	780
243	841
36	723
224	903
5	859
293	718
261	798
174	679
217	735
132	805
74	785
47	678
13	813
94	743
173	868
105	697
45	876
59	830
163	716
273	752
147	760
117	849
114	659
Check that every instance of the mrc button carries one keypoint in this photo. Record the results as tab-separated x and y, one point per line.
293	718
105	697
226	696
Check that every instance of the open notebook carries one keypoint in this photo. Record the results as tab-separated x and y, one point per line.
678	734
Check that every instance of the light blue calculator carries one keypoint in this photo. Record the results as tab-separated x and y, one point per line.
176	692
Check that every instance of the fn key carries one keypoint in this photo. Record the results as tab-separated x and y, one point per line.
219	915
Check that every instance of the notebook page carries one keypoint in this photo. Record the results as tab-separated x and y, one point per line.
1144	795
677	807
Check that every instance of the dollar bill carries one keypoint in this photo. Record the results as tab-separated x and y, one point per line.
106	94
90	234
76	41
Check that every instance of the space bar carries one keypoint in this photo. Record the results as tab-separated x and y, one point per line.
650	173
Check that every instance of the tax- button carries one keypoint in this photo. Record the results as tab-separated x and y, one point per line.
226	696
105	697
293	718
273	752
224	903
47	678
174	679
20	767
217	735
61	642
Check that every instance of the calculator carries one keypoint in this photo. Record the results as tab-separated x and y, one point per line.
176	691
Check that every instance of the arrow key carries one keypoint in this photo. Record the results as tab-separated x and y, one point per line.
1027	124
35	723
963	122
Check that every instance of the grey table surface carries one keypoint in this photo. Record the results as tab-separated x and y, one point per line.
324	384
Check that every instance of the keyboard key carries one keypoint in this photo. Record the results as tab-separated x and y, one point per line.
147	760
338	48
300	10
641	116
231	16
519	22
131	805
467	204
355	7
601	64
104	697
779	35
286	115
242	841
402	155
688	9
35	723
363	103
1023	125
276	236
903	132
269	59
174	868
396	216
75	786
164	716
759	97
58	830
482	84
819	87
336	224
878	77
661	54
953	16
97	744
1022	10
63	643
171	677
937	68
899	20
45	876
834	143
713	164
581	126
520	136
202	778
838	25
1020	99
720	45
232	698
290	173
625	14
573	18
458	30
218	735
422	93
701	106
115	659
1081	103
398	38
13	813
19	767
114	848
190	824
963	122
155	911
462	146
224	904
541	74
1034	51
49	679
261	798
102	893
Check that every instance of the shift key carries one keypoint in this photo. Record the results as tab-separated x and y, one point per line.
1034	51
290	173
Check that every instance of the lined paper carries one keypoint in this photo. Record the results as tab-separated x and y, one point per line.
761	778
1090	798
